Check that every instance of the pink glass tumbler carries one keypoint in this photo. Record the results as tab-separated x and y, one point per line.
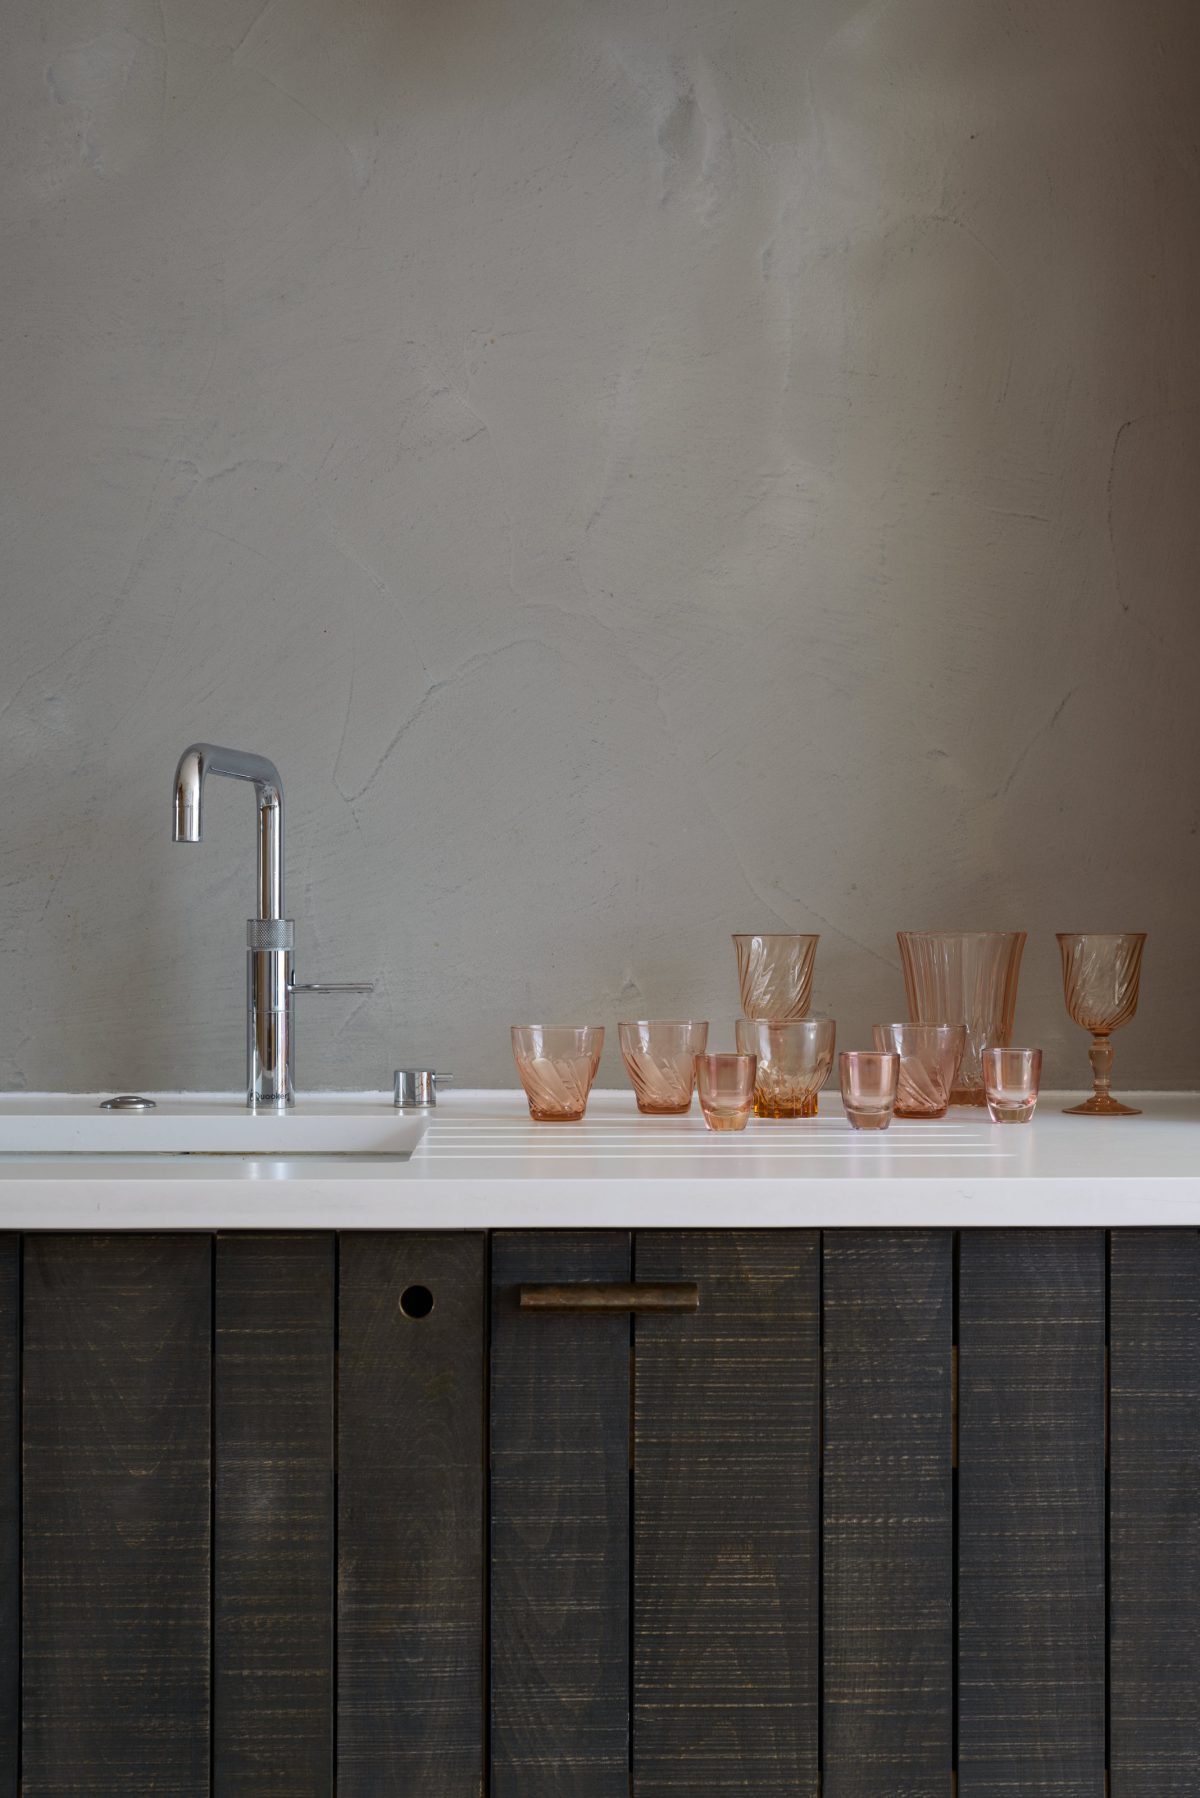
1011	1078
869	1079
557	1064
725	1088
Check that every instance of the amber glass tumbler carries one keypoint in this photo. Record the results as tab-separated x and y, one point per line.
775	975
725	1088
660	1059
964	977
557	1064
930	1056
794	1060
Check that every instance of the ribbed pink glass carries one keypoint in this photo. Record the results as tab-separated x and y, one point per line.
1102	973
775	975
557	1064
725	1088
930	1056
660	1059
868	1087
1011	1078
964	977
794	1060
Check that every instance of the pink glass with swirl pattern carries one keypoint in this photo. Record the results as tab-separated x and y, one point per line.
964	977
557	1064
1101	976
930	1057
775	975
660	1059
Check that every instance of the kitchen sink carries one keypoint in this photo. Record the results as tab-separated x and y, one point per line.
204	1124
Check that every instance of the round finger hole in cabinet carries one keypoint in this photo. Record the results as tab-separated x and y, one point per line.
416	1301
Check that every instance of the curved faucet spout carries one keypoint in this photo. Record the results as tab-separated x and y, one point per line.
195	765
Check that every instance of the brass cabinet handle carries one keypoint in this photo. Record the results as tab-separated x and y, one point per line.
603	1295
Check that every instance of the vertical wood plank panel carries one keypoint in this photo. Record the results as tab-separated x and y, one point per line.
559	1526
1031	1513
10	1511
117	1386
888	1525
410	1517
273	1576
1155	1513
726	1551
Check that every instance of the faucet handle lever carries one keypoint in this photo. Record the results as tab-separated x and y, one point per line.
332	986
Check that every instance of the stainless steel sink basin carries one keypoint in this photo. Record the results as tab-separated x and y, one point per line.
193	1124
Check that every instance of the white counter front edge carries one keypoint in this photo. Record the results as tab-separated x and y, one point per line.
483	1164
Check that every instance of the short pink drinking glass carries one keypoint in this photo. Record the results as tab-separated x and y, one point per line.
557	1064
930	1057
794	1060
869	1080
660	1059
725	1087
1011	1078
775	975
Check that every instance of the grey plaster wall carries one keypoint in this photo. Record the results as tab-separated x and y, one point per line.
643	470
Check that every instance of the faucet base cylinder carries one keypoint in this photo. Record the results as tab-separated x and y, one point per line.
269	1043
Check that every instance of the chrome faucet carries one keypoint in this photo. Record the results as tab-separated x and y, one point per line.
270	937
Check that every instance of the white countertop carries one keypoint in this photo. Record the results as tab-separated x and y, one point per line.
483	1164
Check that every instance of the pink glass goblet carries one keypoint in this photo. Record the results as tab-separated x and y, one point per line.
1101	976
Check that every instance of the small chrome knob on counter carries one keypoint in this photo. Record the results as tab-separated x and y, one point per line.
415	1087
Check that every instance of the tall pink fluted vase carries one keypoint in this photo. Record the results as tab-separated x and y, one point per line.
964	977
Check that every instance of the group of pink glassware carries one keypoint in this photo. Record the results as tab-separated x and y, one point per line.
916	1069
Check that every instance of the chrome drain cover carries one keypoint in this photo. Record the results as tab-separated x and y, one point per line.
128	1102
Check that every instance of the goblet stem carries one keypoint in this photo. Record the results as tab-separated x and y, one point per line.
1101	1057
1101	1104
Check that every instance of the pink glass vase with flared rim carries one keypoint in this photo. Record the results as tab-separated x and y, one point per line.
1102	974
775	974
660	1059
725	1089
557	1064
869	1078
964	977
1011	1080
794	1060
930	1057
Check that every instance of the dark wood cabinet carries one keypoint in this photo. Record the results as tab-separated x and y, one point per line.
306	1513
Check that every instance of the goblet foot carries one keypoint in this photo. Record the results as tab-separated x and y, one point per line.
1101	1105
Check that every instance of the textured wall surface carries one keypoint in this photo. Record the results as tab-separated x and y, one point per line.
643	470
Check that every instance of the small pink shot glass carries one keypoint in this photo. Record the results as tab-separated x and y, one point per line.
869	1078
725	1088
1011	1078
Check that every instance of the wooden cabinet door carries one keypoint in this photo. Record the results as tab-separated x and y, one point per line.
253	1526
655	1521
117	1500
